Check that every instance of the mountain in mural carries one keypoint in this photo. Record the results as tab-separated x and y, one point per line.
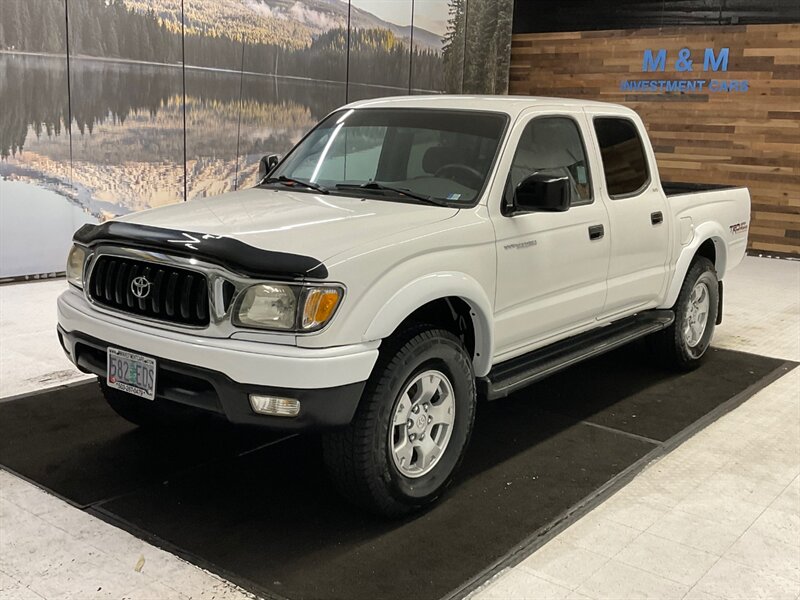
290	23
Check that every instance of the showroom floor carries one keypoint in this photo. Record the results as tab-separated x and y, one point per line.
719	517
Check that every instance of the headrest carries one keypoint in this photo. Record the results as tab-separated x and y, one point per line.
436	157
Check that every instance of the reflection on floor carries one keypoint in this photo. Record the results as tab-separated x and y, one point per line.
719	517
31	358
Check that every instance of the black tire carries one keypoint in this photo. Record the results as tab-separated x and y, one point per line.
358	458
672	345
148	414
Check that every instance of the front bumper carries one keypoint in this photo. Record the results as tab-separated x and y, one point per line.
219	374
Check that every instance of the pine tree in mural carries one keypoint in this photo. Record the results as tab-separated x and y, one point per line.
502	45
52	28
92	44
477	46
453	51
38	25
12	26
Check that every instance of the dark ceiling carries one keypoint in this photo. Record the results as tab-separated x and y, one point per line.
536	16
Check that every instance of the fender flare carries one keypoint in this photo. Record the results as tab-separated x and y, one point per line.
704	232
436	286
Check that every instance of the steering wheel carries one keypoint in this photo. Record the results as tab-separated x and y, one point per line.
466	176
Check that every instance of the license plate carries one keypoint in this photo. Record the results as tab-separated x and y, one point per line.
132	373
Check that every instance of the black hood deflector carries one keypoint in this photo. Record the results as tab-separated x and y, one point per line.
224	251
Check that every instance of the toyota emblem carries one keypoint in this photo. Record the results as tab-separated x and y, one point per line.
140	287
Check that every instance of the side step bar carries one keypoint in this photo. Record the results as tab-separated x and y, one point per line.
517	373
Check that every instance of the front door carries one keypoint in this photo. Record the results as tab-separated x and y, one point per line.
551	266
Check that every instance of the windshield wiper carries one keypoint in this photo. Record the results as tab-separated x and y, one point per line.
374	185
309	184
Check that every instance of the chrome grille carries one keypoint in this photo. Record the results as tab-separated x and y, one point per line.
173	294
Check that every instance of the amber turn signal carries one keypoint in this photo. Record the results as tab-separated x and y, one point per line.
319	306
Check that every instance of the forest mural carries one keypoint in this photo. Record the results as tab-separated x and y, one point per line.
113	106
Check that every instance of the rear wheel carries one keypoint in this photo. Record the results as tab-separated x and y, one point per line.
412	425
684	344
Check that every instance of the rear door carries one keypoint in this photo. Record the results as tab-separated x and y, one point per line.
551	267
637	211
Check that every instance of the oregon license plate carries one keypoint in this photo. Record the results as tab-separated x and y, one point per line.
132	373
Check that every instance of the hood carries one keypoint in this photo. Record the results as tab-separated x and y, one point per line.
315	225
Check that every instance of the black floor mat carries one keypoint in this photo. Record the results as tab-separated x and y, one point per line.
267	518
70	442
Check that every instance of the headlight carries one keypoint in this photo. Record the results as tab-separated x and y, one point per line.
287	307
268	305
75	262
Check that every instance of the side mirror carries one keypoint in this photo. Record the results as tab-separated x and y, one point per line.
543	192
266	165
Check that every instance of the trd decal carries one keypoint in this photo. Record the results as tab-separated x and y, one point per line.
739	227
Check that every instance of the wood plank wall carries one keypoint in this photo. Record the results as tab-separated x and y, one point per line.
747	139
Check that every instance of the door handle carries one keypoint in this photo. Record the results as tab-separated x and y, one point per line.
656	217
596	232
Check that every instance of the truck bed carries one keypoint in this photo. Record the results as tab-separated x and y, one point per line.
679	188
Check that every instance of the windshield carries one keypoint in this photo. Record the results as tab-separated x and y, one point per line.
443	155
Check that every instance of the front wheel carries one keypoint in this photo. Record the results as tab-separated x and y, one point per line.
683	345
412	425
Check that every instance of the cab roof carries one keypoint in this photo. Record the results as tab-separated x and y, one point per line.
511	105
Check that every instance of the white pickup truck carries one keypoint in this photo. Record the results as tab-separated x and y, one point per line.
408	257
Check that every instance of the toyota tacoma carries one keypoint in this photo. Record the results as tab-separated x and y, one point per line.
407	257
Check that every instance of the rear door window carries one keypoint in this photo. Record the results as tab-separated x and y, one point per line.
624	158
